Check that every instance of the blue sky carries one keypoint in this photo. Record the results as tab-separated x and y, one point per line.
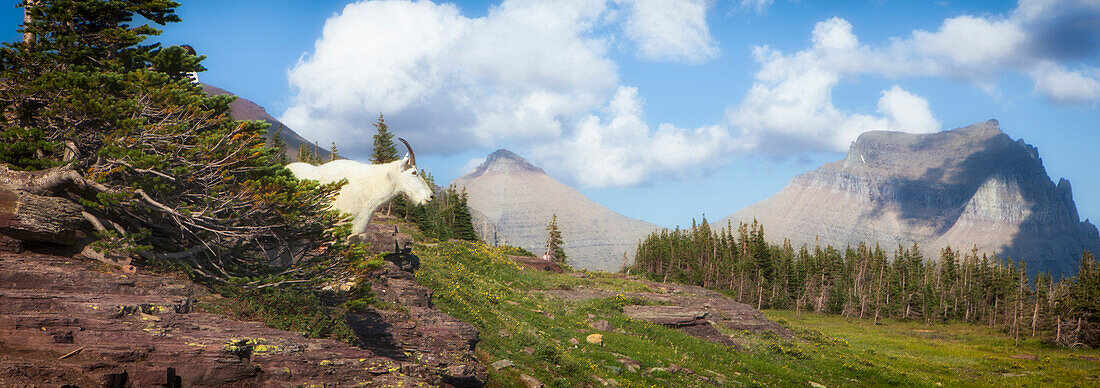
661	110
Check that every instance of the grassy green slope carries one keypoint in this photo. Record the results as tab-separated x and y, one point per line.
478	284
956	354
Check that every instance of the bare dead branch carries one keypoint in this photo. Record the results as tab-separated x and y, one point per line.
96	223
276	284
143	170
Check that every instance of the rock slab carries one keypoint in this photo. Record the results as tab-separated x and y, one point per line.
673	316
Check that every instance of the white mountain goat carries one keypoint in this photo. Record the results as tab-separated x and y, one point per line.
369	185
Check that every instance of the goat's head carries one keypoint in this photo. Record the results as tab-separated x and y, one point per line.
409	181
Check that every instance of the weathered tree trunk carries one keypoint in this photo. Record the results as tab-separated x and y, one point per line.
1015	323
30	209
1058	332
1035	316
993	321
741	287
31	217
27	19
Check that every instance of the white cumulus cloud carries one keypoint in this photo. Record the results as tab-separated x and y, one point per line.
447	81
790	106
529	74
907	112
1063	86
979	49
537	76
621	150
670	30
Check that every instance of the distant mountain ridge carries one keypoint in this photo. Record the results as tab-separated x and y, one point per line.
967	187
513	200
244	109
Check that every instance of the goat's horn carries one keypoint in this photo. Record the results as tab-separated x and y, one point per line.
412	156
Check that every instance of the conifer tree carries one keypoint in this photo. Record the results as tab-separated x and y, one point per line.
384	152
384	149
119	127
463	225
279	145
554	242
308	153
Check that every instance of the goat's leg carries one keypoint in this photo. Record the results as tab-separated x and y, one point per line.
359	226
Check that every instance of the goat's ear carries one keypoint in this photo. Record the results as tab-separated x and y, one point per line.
406	163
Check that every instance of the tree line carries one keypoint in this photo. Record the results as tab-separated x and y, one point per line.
868	282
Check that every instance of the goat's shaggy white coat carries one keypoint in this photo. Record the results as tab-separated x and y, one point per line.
369	185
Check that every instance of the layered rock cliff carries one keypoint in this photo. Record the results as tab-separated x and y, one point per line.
968	187
512	201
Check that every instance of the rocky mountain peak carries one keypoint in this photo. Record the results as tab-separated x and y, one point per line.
973	186
512	200
503	160
978	149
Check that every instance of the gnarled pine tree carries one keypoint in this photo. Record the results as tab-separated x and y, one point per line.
91	113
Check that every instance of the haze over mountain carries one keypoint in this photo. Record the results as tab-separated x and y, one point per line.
512	202
967	187
244	109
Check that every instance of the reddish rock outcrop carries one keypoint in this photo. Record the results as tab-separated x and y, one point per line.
691	309
674	316
436	340
537	263
142	330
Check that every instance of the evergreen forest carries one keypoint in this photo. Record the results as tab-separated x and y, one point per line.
871	282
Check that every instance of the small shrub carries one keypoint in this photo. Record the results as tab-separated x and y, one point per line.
548	353
788	350
514	251
360	297
820	338
288	309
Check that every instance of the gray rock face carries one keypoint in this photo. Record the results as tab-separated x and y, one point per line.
964	188
512	201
